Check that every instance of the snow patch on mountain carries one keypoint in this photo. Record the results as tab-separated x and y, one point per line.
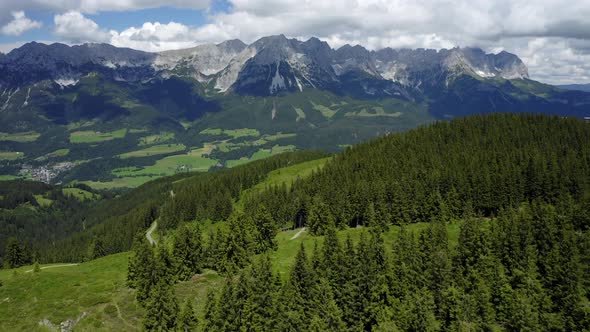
278	82
65	82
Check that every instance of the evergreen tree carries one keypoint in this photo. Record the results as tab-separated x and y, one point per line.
187	320
326	314
259	311
95	249
266	230
237	245
211	322
15	256
320	217
165	267
187	251
161	308
142	274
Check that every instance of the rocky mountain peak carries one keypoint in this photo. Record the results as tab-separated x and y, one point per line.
232	45
275	63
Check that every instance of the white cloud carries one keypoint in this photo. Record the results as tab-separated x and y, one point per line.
20	24
74	27
156	37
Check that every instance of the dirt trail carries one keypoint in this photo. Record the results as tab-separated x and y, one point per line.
52	266
149	233
299	233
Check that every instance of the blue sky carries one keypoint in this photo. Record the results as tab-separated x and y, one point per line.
553	40
118	20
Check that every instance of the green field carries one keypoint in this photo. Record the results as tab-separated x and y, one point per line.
171	165
24	137
153	139
300	114
89	136
205	150
9	155
326	111
59	153
8	177
234	133
154	150
260	154
43	201
374	112
80	194
120	182
98	288
285	175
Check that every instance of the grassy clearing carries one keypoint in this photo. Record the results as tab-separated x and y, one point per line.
10	155
64	293
285	175
154	150
300	114
80	194
121	182
24	137
373	112
59	153
96	288
54	154
233	133
89	136
78	125
169	166
8	177
42	200
153	139
205	150
326	111
182	163
260	154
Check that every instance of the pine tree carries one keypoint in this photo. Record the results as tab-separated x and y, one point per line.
36	267
211	323
260	297
142	271
319	217
266	230
161	308
14	253
237	245
95	249
187	320
326	314
187	251
165	267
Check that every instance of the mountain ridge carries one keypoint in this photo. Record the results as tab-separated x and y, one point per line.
293	64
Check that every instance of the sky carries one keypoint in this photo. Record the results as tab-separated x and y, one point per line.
552	37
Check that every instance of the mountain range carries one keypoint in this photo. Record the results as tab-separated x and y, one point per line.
135	114
576	87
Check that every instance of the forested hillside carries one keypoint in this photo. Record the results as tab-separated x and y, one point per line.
478	224
491	162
